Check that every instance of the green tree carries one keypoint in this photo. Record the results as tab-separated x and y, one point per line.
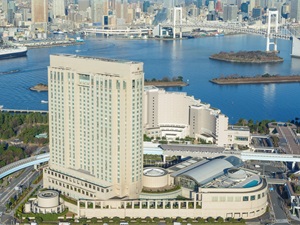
105	219
39	219
116	219
94	220
156	219
220	219
82	220
210	220
148	219
179	219
200	220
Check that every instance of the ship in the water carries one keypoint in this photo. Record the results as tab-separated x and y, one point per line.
7	52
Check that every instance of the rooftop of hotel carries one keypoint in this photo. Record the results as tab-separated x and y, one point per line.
220	172
239	178
98	58
239	128
154	172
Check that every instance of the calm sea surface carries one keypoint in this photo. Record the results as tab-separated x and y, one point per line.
188	58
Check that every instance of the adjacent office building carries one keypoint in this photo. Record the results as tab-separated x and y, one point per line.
39	11
95	125
99	9
230	12
295	10
58	8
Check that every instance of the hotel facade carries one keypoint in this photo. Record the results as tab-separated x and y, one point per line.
95	118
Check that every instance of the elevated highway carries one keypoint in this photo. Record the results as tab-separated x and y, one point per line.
204	151
213	151
23	163
125	31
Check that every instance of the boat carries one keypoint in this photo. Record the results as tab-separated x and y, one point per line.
78	39
58	32
7	52
44	102
219	35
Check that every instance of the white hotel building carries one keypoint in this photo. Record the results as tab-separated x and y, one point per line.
176	115
95	124
96	147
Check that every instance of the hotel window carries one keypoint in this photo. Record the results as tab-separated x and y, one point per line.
214	199
245	198
252	198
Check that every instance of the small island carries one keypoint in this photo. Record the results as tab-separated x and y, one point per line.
39	87
167	82
258	79
248	57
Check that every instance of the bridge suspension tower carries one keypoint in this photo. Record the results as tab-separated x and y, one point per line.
177	11
271	39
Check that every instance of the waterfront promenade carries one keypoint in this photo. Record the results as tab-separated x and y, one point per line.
23	111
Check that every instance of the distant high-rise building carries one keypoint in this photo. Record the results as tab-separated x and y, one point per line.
146	5
188	2
219	6
121	9
59	8
11	9
83	5
39	11
211	6
95	127
295	10
251	5
256	12
99	9
5	6
285	10
244	7
169	4
230	12
198	3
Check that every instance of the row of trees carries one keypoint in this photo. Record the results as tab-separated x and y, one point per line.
156	220
260	127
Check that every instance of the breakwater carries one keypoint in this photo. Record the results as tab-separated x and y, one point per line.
257	80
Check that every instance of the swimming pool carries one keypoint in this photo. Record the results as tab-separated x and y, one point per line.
252	183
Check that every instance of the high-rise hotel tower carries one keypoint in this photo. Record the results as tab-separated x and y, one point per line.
95	127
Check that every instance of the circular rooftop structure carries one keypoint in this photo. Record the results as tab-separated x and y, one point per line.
48	198
155	177
47	202
236	174
154	172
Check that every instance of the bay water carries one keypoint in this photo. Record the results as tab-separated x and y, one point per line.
188	58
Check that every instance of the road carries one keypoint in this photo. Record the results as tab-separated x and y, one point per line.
277	206
286	134
25	179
